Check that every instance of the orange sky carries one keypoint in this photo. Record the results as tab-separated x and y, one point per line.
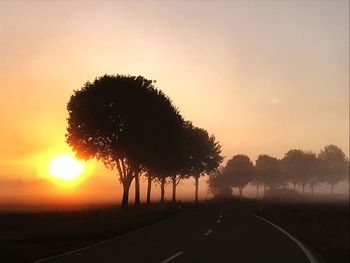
262	76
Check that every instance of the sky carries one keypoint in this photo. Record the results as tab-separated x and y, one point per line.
262	76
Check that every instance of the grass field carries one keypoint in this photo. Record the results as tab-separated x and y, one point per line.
322	226
25	236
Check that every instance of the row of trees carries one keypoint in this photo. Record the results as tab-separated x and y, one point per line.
297	167
132	127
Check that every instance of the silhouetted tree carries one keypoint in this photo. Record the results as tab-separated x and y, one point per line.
336	164
240	171
203	154
218	184
294	166
313	170
120	120
257	182
150	178
162	188
268	171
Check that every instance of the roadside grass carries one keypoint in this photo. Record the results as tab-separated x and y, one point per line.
27	236
322	226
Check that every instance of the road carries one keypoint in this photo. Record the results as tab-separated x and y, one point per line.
213	233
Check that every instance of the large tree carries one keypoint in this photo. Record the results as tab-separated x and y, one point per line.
335	163
239	171
203	154
120	120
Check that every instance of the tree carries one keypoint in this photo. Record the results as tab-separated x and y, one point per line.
294	164
203	154
313	170
336	164
173	160
169	157
268	171
240	171
218	184
121	120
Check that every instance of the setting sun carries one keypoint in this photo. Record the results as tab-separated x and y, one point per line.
65	167
60	166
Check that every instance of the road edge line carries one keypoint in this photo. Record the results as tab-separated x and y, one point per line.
113	238
307	252
172	257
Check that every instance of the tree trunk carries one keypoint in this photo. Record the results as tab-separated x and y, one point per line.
149	186
257	192
303	186
196	178
125	200
162	190
173	178
137	189
264	190
294	184
312	191
332	189
241	194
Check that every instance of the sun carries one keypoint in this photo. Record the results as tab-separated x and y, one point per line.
66	167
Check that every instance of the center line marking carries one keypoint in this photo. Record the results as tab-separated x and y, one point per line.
218	221
208	232
172	257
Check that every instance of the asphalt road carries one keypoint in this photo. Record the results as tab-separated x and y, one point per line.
214	233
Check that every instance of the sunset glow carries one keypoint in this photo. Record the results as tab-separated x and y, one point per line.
263	77
66	168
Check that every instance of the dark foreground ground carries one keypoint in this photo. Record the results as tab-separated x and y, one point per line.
322	227
26	236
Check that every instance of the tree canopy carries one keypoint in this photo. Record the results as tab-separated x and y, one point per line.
125	122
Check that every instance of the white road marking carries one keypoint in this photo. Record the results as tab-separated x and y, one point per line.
208	232
218	221
172	257
307	252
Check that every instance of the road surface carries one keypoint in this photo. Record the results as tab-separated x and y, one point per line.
213	233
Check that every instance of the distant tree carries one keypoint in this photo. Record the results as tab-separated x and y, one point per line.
119	120
240	171
336	165
268	171
218	184
257	181
313	170
203	153
294	164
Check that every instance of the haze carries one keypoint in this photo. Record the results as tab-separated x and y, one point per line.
263	77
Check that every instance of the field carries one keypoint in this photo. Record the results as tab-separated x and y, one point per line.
25	236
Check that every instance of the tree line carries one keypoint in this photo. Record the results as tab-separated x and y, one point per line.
297	167
134	128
